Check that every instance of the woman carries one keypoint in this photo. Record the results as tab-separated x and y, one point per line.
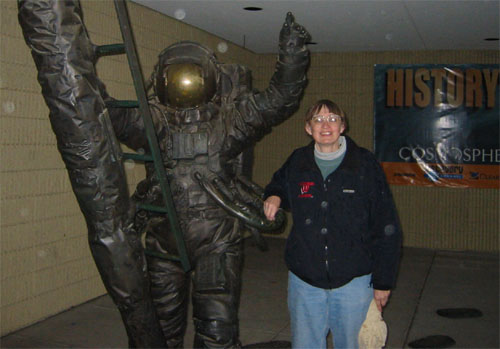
344	246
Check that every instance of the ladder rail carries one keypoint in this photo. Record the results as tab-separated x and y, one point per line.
135	68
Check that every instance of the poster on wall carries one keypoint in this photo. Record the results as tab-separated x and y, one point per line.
438	125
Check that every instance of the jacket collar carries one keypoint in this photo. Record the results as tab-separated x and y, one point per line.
350	162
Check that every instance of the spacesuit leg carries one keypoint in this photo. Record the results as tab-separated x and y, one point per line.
170	290
216	295
64	57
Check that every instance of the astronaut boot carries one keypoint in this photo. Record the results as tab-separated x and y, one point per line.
216	334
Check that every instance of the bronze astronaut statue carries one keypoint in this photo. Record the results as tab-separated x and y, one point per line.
205	114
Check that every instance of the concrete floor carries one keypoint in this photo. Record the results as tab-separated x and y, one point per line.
428	280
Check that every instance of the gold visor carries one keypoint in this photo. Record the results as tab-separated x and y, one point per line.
186	87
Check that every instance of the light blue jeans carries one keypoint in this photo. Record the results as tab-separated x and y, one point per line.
314	311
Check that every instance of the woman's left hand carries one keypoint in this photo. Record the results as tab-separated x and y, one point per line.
381	297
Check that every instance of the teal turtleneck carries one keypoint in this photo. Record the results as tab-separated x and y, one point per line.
329	162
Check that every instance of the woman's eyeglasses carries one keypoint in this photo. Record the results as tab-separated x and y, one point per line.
331	118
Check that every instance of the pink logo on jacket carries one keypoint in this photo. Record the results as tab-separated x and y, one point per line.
304	189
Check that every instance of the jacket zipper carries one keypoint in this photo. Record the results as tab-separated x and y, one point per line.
325	188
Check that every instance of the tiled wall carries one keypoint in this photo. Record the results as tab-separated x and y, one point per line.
46	265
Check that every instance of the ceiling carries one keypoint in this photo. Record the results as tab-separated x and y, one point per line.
346	25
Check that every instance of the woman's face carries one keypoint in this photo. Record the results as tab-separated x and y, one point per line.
325	131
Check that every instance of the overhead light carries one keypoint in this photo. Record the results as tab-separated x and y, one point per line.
491	39
252	8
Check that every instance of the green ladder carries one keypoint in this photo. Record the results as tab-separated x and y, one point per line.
128	47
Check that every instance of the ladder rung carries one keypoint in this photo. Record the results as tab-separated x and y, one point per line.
162	255
154	208
138	157
110	50
122	104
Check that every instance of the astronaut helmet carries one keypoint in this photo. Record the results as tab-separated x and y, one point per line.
186	76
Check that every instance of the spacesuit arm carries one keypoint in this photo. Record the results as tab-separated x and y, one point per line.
258	111
281	98
127	123
129	127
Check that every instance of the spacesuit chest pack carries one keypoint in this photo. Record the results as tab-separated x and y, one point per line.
196	138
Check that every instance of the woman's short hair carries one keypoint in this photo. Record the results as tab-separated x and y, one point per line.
332	107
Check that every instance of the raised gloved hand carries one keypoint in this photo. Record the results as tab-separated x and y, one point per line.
281	98
293	36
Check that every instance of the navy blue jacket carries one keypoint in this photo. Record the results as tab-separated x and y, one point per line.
344	226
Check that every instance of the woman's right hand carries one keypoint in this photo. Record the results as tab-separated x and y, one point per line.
271	206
